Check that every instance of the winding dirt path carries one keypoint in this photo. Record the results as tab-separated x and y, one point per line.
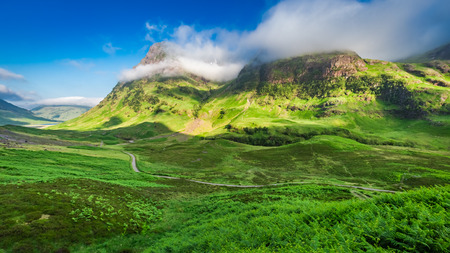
133	161
135	168
365	188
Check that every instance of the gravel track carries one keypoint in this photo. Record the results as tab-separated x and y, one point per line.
135	168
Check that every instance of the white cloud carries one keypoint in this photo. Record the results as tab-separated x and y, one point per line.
379	29
194	52
150	27
79	64
6	74
110	49
200	54
164	68
69	101
10	95
154	31
206	60
212	70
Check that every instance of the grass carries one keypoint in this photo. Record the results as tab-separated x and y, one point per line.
11	114
25	166
45	216
168	101
71	187
299	219
60	112
64	181
322	159
8	118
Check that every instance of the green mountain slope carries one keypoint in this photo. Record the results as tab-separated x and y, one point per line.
59	112
286	101
309	144
13	115
171	101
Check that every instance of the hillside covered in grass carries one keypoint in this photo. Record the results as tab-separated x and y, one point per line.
59	112
75	197
287	101
322	152
326	117
13	115
87	199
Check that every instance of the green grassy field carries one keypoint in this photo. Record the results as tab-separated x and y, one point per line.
61	190
326	146
322	159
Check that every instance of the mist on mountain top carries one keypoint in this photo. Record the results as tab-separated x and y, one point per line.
377	29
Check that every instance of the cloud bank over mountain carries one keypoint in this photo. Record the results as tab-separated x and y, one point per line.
378	29
75	100
164	68
91	102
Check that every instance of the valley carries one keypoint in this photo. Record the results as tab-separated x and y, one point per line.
96	201
225	126
321	152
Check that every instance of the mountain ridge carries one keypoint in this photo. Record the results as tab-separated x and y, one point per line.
331	90
14	115
441	53
59	112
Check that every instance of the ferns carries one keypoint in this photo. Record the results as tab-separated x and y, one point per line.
416	221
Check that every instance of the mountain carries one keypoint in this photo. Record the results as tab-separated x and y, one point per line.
13	115
59	112
155	54
335	93
441	53
279	159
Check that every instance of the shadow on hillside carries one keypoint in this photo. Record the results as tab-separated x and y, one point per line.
4	122
113	121
113	136
257	136
195	91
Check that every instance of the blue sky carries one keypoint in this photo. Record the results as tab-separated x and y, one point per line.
77	48
57	49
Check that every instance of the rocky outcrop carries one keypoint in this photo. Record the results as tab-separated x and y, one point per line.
439	65
313	67
413	71
301	69
156	53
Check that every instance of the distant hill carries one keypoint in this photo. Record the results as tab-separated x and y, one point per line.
59	112
441	53
14	115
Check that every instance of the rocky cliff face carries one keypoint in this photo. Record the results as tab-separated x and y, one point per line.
312	67
156	53
157	63
301	69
